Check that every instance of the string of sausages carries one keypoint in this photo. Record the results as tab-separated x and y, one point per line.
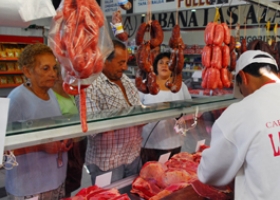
176	62
216	56
144	58
75	45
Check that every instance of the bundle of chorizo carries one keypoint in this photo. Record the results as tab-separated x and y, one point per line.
156	33
176	62
215	56
144	57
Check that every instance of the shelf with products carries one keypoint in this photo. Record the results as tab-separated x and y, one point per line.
12	85
10	49
10	72
11	78
8	59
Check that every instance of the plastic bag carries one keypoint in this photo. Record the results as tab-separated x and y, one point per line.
80	40
79	37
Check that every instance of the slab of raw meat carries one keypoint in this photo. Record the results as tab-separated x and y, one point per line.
209	192
145	188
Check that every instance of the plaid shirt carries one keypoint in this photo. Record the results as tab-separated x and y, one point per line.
114	148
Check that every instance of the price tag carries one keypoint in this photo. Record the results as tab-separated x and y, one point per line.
198	144
164	157
4	107
103	179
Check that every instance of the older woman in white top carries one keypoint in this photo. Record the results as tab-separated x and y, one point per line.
160	137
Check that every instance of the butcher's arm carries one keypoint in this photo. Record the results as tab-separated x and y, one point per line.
219	163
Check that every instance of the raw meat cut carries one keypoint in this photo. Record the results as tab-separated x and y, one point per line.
156	180
209	192
153	170
176	176
145	188
96	193
170	189
189	165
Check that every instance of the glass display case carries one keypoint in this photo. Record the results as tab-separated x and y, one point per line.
34	132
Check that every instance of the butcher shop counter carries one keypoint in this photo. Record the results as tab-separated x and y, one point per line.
33	132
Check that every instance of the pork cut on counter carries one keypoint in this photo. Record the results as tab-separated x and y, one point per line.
157	180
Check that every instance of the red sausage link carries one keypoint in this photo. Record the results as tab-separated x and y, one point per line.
216	60
226	33
209	33
219	35
226	56
206	56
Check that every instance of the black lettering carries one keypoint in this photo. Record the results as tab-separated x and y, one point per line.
183	18
221	15
205	21
162	19
171	20
193	19
263	16
254	37
251	15
233	15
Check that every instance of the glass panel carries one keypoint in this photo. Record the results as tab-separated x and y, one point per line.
67	120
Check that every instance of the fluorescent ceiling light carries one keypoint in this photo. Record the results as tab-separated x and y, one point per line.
143	15
193	10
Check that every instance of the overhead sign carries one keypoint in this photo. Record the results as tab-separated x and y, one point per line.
142	6
193	23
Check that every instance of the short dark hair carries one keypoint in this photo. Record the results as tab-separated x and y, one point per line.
159	57
116	43
254	70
